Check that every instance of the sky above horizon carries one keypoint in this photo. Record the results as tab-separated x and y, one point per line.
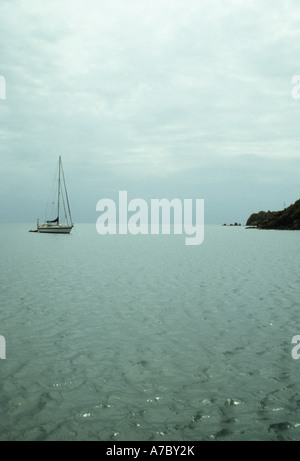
163	99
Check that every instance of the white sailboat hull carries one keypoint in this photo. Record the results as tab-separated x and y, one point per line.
60	229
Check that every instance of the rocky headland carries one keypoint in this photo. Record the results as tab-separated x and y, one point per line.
287	219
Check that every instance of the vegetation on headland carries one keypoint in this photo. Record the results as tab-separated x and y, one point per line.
287	219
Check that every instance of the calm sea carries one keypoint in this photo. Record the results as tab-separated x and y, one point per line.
135	338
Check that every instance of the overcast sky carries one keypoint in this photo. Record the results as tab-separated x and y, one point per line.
162	98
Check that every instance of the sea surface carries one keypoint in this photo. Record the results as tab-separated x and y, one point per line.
140	338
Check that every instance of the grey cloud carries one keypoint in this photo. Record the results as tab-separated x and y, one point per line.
157	96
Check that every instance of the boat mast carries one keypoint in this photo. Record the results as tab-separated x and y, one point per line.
58	190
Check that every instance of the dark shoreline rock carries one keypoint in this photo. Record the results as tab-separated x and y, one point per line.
287	219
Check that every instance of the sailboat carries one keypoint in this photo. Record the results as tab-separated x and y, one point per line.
56	226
